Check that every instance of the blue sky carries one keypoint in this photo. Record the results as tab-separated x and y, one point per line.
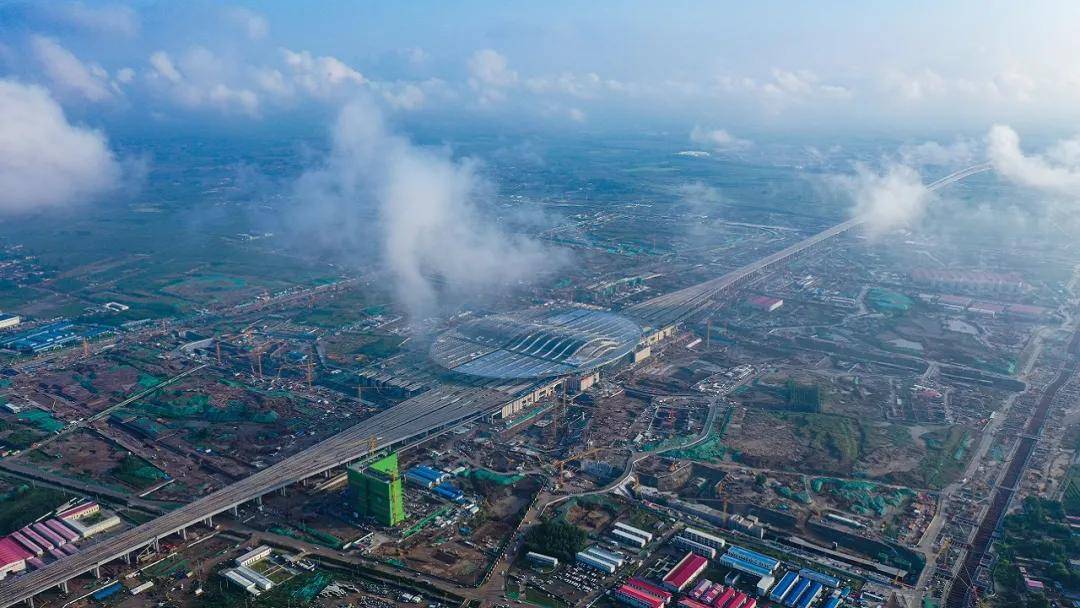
939	86
773	66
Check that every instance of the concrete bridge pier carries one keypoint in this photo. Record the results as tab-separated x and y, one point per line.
258	500
157	545
209	521
235	510
64	587
183	533
97	571
282	491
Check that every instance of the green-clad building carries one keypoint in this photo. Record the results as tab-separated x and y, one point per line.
376	490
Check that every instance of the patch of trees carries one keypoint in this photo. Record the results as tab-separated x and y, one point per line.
557	539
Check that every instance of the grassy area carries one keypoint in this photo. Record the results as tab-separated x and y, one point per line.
1038	535
840	437
947	452
1071	498
538	597
20	439
136	472
24	504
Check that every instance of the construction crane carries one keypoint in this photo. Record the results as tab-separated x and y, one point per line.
561	463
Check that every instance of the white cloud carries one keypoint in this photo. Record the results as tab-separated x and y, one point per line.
321	76
490	75
1056	170
420	204
163	66
125	75
405	96
892	198
202	80
718	139
45	161
959	153
253	24
68	74
104	19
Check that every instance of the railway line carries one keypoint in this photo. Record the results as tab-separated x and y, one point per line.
672	307
430	413
960	592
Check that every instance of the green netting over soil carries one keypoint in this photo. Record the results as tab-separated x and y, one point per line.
41	419
496	478
885	300
311	587
198	406
862	497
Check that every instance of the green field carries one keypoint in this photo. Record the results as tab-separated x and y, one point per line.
24	504
137	473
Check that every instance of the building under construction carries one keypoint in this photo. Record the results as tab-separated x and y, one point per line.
375	490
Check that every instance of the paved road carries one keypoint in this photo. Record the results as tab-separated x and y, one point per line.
434	411
438	409
671	307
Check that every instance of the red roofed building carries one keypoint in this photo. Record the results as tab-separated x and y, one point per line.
83	510
684	572
650	589
721	602
1026	311
765	303
632	597
689	603
12	556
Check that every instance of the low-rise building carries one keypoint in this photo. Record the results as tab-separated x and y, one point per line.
254	556
7	320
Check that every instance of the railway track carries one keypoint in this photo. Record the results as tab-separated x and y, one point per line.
960	592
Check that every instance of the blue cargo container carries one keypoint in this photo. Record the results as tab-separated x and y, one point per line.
783	587
824	579
107	592
754	557
810	596
833	602
797	592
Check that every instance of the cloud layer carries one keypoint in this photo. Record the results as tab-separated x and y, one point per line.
45	161
1057	170
420	205
888	199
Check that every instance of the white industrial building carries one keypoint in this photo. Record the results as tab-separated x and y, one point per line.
634	531
254	556
542	559
7	321
704	538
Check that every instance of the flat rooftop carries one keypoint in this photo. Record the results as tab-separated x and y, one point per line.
537	343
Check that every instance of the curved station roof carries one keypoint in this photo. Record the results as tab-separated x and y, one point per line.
537	343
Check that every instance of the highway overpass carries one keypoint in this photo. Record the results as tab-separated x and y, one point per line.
431	413
672	307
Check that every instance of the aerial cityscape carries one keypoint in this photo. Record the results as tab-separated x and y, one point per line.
495	305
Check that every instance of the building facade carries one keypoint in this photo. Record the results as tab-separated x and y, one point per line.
376	490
